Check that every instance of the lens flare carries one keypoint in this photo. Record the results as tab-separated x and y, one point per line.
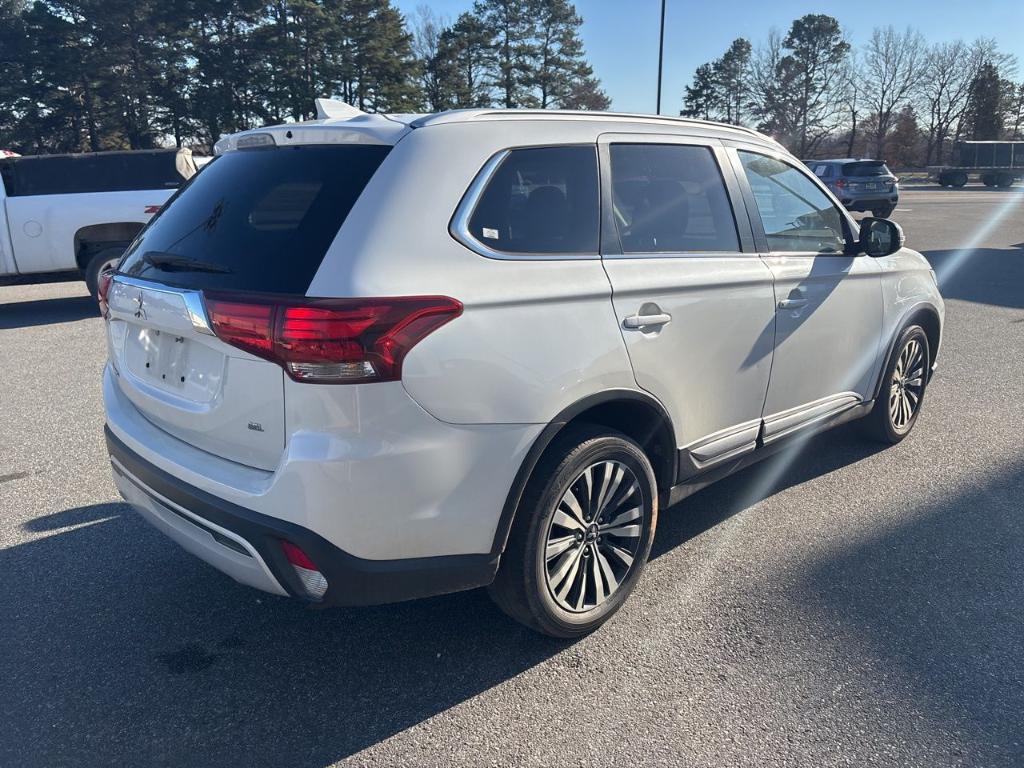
948	268
778	465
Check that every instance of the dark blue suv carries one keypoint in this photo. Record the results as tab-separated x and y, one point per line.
860	185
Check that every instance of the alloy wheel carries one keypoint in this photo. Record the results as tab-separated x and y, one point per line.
594	535
906	386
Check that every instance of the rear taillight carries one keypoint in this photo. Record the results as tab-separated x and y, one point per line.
103	288
330	341
313	582
841	183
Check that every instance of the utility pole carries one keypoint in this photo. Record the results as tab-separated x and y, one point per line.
661	52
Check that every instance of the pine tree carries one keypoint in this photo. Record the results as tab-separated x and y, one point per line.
463	65
560	73
732	80
905	143
803	104
984	111
513	25
701	99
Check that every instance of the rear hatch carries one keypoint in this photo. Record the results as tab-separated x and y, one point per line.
253	226
868	176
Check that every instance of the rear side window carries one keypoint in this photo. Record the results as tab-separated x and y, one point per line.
866	169
670	199
96	172
541	201
255	220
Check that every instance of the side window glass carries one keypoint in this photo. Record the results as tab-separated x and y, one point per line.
796	214
670	198
542	201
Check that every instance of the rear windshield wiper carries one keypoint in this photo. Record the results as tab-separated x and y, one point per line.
172	262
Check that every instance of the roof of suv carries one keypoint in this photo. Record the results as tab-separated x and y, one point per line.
338	122
847	160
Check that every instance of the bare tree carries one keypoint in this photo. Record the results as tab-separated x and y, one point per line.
893	65
943	94
1015	113
763	66
852	98
427	26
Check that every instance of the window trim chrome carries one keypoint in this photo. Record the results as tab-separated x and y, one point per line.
459	226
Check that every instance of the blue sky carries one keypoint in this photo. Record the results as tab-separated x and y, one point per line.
622	35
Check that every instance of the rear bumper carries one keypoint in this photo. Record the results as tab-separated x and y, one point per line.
246	544
869	203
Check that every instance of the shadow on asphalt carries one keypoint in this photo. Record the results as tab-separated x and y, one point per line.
933	607
25	314
982	275
122	648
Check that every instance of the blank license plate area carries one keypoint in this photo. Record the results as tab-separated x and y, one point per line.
164	358
174	363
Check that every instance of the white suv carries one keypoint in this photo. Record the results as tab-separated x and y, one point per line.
366	358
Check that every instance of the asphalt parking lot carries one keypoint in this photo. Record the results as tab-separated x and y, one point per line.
844	606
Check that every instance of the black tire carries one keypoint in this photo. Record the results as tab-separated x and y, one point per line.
883	213
958	179
882	423
989	179
522	587
97	263
1004	180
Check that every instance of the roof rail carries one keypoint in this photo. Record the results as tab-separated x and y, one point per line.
468	115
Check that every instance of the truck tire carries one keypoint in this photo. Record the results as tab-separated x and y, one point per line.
1004	180
957	179
99	261
989	179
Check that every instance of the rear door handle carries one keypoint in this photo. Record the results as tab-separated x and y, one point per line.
645	321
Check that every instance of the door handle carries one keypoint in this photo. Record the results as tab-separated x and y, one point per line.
792	303
796	299
645	321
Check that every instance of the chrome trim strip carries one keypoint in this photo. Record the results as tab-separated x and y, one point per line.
459	227
194	304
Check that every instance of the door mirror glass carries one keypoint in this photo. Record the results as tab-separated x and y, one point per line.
880	237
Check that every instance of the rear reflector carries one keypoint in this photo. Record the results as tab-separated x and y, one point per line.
330	341
313	582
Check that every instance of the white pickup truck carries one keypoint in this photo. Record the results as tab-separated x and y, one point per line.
78	213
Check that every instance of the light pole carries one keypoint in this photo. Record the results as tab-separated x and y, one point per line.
661	52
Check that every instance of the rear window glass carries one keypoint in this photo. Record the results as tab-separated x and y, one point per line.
255	220
866	169
98	172
541	201
670	199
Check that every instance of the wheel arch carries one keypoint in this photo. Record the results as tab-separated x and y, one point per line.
927	317
632	412
90	239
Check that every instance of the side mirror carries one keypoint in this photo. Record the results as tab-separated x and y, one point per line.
880	237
